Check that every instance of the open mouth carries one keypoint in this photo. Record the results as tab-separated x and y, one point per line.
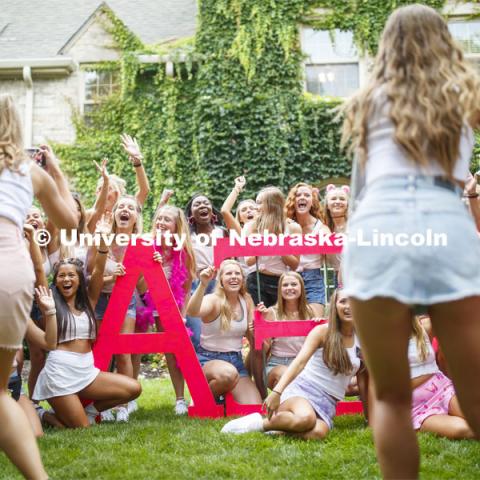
301	204
124	217
250	216
67	288
34	224
203	213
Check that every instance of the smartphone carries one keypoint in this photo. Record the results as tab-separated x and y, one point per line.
36	154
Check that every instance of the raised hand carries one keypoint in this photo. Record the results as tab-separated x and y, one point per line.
119	270
44	298
130	145
51	161
240	183
28	232
157	257
102	169
262	308
166	195
207	274
104	225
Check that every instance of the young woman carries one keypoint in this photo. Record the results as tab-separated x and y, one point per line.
69	374
336	202
271	218
20	181
291	305
127	219
411	130
205	223
303	206
303	402
179	268
226	315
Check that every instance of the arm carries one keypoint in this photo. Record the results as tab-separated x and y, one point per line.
53	202
314	340
96	281
472	195
248	230
36	254
226	210
135	156
46	340
101	203
362	382
199	305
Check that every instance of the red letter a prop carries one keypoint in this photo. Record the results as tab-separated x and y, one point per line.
139	260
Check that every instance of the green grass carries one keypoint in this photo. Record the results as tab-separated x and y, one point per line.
158	445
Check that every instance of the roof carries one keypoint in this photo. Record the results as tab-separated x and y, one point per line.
33	29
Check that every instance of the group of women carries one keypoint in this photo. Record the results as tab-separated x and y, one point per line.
410	129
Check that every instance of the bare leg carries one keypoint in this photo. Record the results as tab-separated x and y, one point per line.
318	432
246	392
384	327
111	389
274	375
222	377
176	376
16	436
37	362
457	326
295	415
455	428
136	362
69	410
124	360
31	414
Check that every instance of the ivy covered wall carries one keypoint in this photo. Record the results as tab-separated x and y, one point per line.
235	105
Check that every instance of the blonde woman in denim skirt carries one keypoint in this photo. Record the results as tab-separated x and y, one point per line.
411	131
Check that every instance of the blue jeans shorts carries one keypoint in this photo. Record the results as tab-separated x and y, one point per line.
314	285
275	361
234	358
102	303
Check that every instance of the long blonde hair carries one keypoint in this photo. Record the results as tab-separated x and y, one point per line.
226	313
272	217
11	135
335	354
138	226
183	230
305	312
432	90
418	334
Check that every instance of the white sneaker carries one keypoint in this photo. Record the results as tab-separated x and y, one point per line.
108	416
122	415
132	406
249	423
181	407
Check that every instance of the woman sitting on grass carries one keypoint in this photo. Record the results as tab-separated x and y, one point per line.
69	374
226	315
303	402
291	305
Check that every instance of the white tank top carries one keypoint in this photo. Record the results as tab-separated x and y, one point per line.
273	265
319	375
311	262
16	194
214	339
204	254
81	330
420	367
386	157
286	346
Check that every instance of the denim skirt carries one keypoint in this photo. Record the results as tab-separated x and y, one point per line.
411	239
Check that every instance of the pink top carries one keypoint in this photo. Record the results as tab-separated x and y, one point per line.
286	346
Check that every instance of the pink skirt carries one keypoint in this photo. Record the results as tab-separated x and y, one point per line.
16	285
431	398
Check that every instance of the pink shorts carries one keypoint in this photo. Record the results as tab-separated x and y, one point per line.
431	398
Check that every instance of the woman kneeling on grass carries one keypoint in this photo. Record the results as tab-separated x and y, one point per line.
303	402
226	315
69	374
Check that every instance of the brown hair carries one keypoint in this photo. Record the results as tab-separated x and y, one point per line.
316	210
272	216
305	312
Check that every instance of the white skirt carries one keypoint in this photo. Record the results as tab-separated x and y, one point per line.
65	373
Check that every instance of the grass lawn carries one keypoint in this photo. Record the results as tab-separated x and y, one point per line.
158	445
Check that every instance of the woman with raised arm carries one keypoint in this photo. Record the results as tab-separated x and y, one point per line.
303	207
20	181
303	402
411	130
226	316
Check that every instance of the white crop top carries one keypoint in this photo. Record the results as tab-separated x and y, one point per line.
80	331
386	157
214	339
417	366
16	194
322	378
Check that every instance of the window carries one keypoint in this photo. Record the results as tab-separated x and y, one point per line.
97	86
467	33
331	66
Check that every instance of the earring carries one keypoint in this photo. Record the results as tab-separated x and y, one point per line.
214	218
191	220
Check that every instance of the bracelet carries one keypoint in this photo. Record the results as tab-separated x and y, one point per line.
136	165
104	253
471	195
278	393
52	311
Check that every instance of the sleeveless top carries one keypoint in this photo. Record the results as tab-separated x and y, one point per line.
386	157
313	261
214	339
321	377
81	330
16	194
420	367
286	346
275	264
204	254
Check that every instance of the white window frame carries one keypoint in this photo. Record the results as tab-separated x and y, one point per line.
83	89
467	55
